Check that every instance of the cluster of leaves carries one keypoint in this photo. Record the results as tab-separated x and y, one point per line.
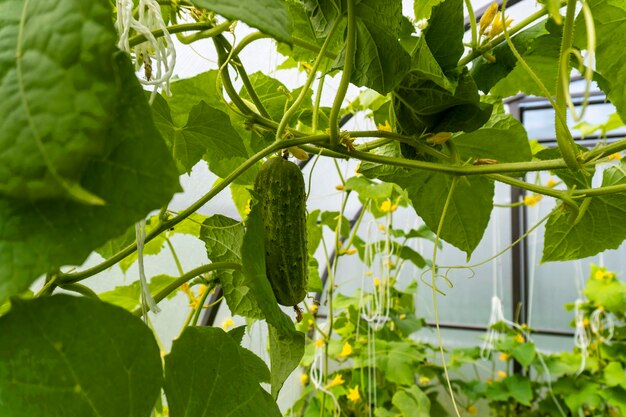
404	377
85	156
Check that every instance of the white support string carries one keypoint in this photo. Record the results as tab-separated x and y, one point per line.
146	297
162	50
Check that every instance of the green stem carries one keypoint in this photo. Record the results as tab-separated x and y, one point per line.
563	135
500	38
605	190
181	271
607	150
318	99
274	147
312	47
223	57
284	122
348	65
472	20
80	289
404	139
208	30
173	286
49	286
561	195
200	306
247	41
434	291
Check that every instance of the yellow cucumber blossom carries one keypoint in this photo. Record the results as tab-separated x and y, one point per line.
424	380
346	350
354	395
384	128
228	323
519	338
388	207
502	374
488	17
531	200
304	379
503	357
337	380
314	308
551	183
472	410
319	343
615	156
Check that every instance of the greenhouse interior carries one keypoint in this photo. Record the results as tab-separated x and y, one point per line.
313	208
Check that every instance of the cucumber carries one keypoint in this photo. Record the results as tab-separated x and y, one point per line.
282	200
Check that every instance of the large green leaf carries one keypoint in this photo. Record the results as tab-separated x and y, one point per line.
503	138
470	204
322	13
609	17
444	34
423	8
601	227
286	351
189	92
135	175
207	133
59	91
380	60
223	238
412	402
286	344
487	73
269	16
542	56
205	376
68	356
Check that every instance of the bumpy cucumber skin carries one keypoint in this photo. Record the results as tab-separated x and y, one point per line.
280	188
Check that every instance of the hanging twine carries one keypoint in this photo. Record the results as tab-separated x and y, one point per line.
161	50
147	301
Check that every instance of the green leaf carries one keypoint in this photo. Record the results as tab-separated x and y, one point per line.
543	57
286	344
444	34
253	258
275	96
286	351
423	8
519	389
573	179
135	175
524	353
424	64
468	212
601	227
369	189
254	365
129	296
205	376
189	92
488	73
322	14
610	58
503	138
59	93
380	62
65	355
223	238
207	133
614	375
315	282
313	231
269	16
610	293
412	402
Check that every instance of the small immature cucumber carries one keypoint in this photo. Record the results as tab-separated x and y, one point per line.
281	190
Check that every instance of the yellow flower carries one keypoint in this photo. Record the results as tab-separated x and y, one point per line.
402	316
531	200
501	374
586	322
615	157
472	410
519	338
384	128
354	395
488	17
314	308
319	343
382	227
337	380
387	207
304	379
504	357
376	281
424	380
310	322
551	183
351	251
346	350
247	209
340	187
228	323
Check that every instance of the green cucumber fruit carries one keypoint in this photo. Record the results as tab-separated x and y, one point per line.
280	188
